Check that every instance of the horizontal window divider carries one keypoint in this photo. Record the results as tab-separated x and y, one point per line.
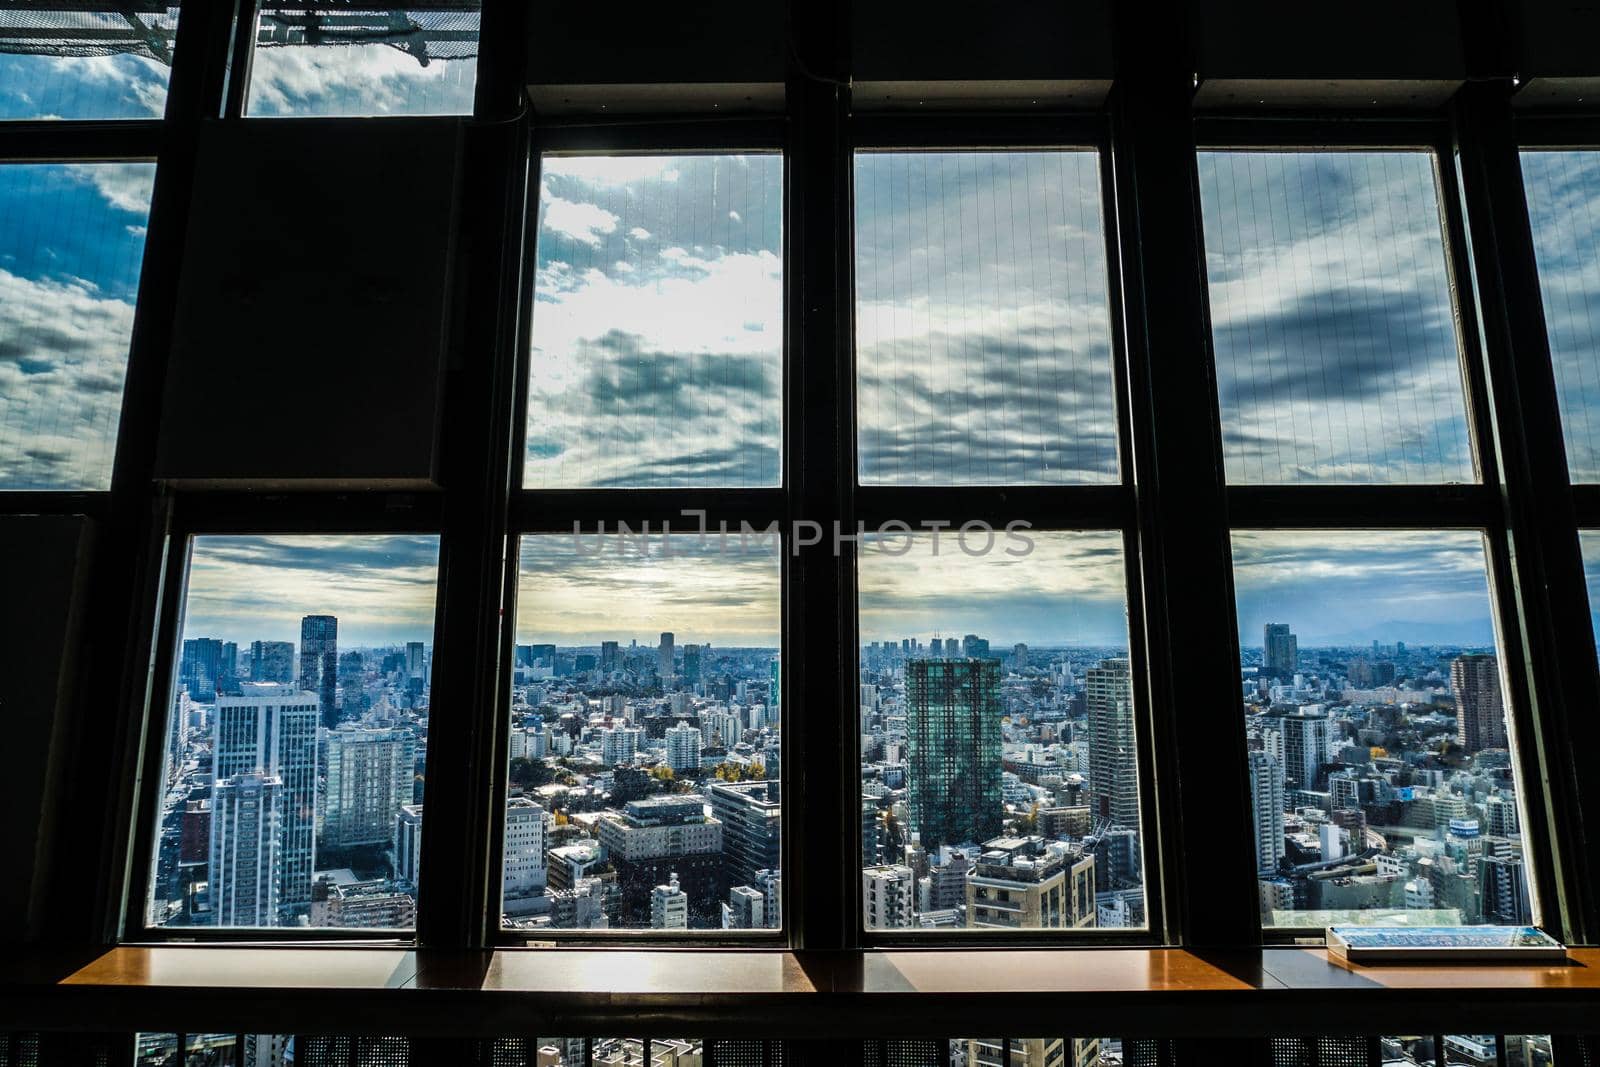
1586	505
307	511
957	940
1557	131
1325	133
80	142
1088	507
644	939
23	502
563	510
1420	507
944	131
698	136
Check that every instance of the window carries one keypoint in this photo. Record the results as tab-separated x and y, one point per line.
1382	776
294	750
1331	318
1563	190
85	61
645	736
999	744
71	244
983	334
658	323
339	61
1000	761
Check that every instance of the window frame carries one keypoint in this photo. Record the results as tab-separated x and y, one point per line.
1091	507
1383	506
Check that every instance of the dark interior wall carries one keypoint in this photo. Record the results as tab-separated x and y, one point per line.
41	616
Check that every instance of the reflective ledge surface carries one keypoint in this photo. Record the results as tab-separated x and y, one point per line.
1133	992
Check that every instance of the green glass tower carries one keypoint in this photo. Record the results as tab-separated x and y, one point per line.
953	750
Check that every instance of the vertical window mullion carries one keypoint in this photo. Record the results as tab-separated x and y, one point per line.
1185	559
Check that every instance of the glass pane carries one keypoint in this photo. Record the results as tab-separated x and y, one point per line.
86	61
1589	541
71	245
1331	318
1384	789
983	333
296	746
335	60
658	323
1000	785
1564	209
645	735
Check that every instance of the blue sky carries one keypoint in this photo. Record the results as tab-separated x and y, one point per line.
71	244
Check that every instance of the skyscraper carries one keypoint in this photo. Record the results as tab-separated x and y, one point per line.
953	750
1113	759
319	663
1305	748
1480	716
271	730
608	655
527	834
200	669
1266	803
245	857
1280	650
751	818
369	778
683	747
416	665
664	664
691	664
272	661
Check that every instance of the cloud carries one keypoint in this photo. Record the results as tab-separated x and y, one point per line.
592	589
357	80
1332	318
1407	585
581	222
125	186
82	87
382	588
1069	589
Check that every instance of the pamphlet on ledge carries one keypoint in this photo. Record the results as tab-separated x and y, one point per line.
1443	944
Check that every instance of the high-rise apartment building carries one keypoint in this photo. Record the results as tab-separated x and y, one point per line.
246	858
1280	650
527	835
652	839
319	663
664	657
272	661
416	660
408	843
1304	739
1480	715
200	668
750	814
953	750
370	776
271	730
683	747
1266	803
1113	758
887	895
1023	883
669	906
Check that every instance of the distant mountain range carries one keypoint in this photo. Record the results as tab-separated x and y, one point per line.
1465	632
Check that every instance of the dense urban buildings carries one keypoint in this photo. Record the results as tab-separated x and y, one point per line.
1382	786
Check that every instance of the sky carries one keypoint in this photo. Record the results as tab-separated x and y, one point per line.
658	322
1331	318
382	588
1353	587
1564	208
71	242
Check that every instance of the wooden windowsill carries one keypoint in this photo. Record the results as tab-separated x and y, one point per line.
558	992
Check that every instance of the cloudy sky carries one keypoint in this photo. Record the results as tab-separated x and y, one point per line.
1332	321
588	590
1564	206
71	241
982	319
381	588
657	326
1360	586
